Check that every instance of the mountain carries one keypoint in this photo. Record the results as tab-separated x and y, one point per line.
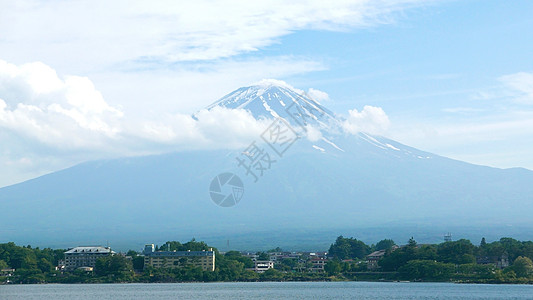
311	190
275	99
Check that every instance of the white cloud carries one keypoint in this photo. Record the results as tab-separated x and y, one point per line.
67	113
487	131
73	114
190	88
173	31
313	134
520	85
269	82
318	95
181	55
69	121
216	128
371	120
486	140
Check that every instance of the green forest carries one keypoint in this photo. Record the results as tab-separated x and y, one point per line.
456	261
453	261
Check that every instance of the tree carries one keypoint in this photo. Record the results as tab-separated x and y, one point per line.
427	252
527	249
398	258
44	265
277	249
30	275
522	266
385	244
332	267
457	252
348	248
3	265
485	271
228	269
271	274
138	262
192	245
115	265
29	261
426	269
512	247
290	263
263	256
235	255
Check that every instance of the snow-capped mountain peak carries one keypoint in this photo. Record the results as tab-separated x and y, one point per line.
276	99
270	98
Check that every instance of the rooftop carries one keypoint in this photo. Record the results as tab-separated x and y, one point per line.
378	253
181	253
90	249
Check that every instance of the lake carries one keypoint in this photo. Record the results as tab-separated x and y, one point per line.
268	290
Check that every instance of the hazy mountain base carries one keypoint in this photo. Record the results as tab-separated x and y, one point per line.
306	198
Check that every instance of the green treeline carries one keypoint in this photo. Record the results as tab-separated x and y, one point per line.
33	265
504	261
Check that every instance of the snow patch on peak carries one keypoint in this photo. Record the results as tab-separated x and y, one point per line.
332	144
392	147
270	110
372	140
266	83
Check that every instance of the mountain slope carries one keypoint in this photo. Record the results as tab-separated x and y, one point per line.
274	99
336	182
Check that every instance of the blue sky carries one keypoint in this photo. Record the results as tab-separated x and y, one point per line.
437	68
86	80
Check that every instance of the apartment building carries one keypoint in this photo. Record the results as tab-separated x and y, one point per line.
178	259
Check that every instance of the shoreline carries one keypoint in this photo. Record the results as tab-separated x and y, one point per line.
280	281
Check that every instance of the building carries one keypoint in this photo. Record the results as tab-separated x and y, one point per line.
7	272
81	257
322	254
278	256
448	237
261	266
251	255
317	264
500	262
178	259
373	258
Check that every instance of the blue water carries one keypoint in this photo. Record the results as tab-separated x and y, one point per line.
269	290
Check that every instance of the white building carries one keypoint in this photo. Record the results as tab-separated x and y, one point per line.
85	256
261	266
